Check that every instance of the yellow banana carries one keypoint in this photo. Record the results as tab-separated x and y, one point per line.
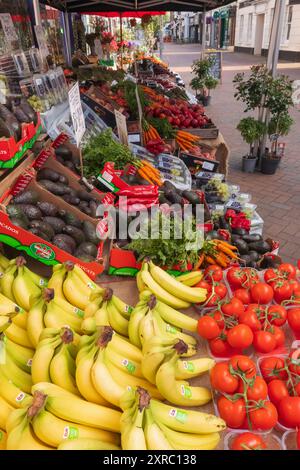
88	326
139	282
178	319
18	335
21	319
13	394
52	430
75	291
160	292
157	342
86	444
5	410
93	306
7	305
179	392
184	441
101	315
151	363
16	375
61	369
176	288
193	367
147	328
187	421
55	317
86	280
136	317
156	439
134	438
190	279
21	356
57	279
35	320
123	362
125	348
116	320
22	438
165	329
6	282
63	304
123	308
40	367
39	281
24	288
16	417
4	262
3	439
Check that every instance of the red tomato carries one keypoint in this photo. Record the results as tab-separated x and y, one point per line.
297	389
233	413
236	277
214	272
264	341
240	336
220	290
252	278
293	317
279	336
283	290
243	295
248	441
294	361
289	412
277	315
264	417
288	270
208	327
233	308
256	390
205	285
243	364
272	368
295	284
250	318
220	347
222	380
272	275
261	293
277	390
219	319
296	298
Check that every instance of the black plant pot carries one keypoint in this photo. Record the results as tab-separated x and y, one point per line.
269	165
206	100
248	164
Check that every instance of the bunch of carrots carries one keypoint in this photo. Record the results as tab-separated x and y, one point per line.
148	172
217	252
186	140
149	133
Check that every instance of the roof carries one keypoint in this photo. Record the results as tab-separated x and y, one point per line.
78	6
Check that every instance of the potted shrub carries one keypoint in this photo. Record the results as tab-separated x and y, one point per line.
210	83
197	84
251	130
203	80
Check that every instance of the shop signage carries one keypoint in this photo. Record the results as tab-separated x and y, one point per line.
224	14
41	39
216	15
216	68
122	127
77	113
8	29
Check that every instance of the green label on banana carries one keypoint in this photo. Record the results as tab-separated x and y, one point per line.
78	312
29	363
70	433
2	352
128	309
43	282
1	435
20	397
171	329
179	415
186	391
91	285
128	366
189	366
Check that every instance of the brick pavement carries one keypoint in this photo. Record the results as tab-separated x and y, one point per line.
277	196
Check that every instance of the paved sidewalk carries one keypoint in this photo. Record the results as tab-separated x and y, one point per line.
277	196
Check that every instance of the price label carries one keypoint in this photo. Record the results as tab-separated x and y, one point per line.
8	29
77	113
98	48
122	127
41	39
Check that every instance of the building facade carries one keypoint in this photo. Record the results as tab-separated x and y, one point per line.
253	28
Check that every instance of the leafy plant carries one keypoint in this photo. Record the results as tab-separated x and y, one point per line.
211	82
279	124
251	130
253	89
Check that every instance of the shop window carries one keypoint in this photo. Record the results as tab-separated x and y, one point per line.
249	29
287	24
241	30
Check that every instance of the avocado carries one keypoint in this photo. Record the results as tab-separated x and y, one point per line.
43	227
63	152
28	110
84	195
88	248
71	199
191	196
90	232
47	208
47	174
70	219
26	197
93	207
56	223
212	235
239	231
254	255
64	242
83	204
173	197
241	246
261	247
21	115
83	256
224	224
14	210
75	233
69	165
235	237
169	186
56	188
252	238
40	234
19	222
32	212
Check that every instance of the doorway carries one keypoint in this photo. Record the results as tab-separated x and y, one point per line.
259	33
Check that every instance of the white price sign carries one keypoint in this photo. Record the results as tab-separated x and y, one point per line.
98	48
8	28
122	127
41	39
77	113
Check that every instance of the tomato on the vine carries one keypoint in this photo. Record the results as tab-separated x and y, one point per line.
295	285
214	272
264	417
252	278
204	285
261	293
249	318
277	390
240	336
222	380
256	389
219	319
293	317
220	346
233	308
273	368
208	327
277	315
220	290
243	364
264	341
287	270
294	361
289	412
243	295
233	412
279	335
271	275
236	277
248	441
282	289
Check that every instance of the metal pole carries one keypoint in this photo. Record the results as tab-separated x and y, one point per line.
37	12
67	38
161	38
121	38
203	31
212	36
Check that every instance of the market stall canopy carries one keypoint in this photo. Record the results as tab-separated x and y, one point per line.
79	6
124	14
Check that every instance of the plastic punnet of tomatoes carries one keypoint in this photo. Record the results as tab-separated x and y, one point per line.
241	395
241	440
291	440
283	281
293	319
282	374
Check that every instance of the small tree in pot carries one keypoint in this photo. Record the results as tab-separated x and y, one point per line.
251	130
203	81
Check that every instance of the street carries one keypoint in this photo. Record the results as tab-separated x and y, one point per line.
277	196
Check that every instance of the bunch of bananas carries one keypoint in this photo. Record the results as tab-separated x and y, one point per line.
175	293
148	424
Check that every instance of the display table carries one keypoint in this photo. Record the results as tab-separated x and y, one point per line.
222	151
